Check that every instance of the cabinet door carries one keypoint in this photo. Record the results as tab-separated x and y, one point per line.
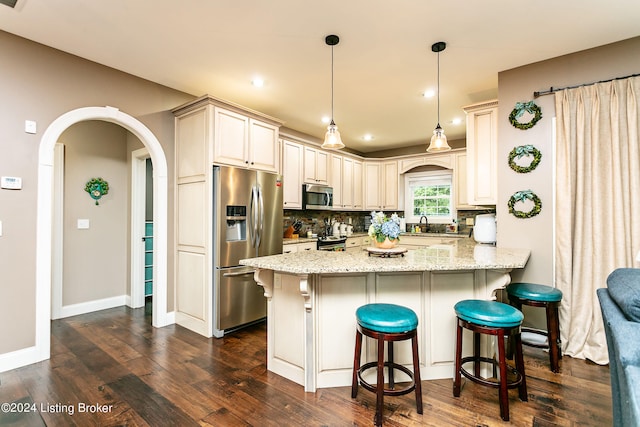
231	138
482	146
316	166
347	183
390	184
263	146
292	175
372	181
357	185
460	182
335	179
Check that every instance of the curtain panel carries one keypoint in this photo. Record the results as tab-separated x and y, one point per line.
597	214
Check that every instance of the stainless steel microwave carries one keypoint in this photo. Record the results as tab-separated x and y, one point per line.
317	196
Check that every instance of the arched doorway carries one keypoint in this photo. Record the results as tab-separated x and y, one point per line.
45	208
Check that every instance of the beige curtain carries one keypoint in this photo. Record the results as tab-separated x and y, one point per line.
597	204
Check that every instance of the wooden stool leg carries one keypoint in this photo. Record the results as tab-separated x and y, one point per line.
416	374
522	388
476	354
504	390
458	362
390	365
553	336
356	364
380	383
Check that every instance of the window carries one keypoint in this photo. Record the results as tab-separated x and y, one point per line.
429	194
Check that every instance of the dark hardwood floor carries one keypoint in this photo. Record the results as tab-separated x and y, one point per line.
111	368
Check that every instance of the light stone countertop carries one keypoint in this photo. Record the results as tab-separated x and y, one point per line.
451	254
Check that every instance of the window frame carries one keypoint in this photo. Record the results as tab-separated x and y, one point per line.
445	176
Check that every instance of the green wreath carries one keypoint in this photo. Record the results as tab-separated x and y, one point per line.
521	107
97	187
522	196
524	151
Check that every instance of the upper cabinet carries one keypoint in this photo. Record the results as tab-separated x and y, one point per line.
482	158
245	141
352	189
292	154
316	166
335	178
381	185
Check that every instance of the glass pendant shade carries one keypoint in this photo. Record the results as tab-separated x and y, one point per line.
438	141
332	138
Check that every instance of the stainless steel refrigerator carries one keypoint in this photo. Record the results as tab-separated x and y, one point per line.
247	217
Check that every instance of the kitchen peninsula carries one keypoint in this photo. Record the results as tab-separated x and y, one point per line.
313	295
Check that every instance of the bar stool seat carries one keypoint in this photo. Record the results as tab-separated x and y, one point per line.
386	323
500	320
536	295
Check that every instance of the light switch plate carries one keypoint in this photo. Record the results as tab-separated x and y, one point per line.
468	221
83	224
30	126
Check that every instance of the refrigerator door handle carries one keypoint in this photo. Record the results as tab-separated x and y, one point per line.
253	220
260	217
239	273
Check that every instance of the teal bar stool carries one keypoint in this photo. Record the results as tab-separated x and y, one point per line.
541	296
500	320
386	323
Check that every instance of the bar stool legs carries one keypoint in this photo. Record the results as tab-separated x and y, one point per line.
386	323
500	321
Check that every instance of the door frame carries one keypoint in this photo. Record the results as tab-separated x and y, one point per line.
138	197
44	223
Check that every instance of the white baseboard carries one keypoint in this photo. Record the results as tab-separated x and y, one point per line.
19	358
91	306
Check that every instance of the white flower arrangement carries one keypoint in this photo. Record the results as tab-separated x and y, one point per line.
383	227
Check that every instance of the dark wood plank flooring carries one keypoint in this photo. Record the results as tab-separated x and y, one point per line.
111	368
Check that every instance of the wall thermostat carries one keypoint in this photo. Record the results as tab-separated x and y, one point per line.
11	183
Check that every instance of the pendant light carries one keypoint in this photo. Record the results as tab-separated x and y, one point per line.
439	139
332	138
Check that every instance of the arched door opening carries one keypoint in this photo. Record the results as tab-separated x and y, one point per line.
44	230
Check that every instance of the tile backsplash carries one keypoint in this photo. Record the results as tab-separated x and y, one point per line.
316	220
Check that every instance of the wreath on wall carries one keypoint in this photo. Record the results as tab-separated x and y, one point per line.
524	151
523	196
522	107
97	187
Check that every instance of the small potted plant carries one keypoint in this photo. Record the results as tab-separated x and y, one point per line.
385	231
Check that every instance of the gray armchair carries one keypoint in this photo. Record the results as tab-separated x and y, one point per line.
620	305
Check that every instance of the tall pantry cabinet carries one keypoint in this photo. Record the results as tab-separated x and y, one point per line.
210	130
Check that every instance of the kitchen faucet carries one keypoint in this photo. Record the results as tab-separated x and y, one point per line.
426	224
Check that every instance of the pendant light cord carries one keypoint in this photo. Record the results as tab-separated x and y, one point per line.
332	84
438	89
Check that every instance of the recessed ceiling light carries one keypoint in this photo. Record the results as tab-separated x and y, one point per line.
368	137
456	121
326	119
257	82
429	93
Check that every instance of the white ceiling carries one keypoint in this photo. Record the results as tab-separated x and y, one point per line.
382	64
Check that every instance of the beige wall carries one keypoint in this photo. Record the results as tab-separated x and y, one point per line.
606	62
95	259
39	83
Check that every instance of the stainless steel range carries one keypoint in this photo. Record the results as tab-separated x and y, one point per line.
337	244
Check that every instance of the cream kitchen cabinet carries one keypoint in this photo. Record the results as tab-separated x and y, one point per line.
482	158
299	247
460	182
357	243
292	155
335	179
381	185
352	189
245	141
316	166
209	130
